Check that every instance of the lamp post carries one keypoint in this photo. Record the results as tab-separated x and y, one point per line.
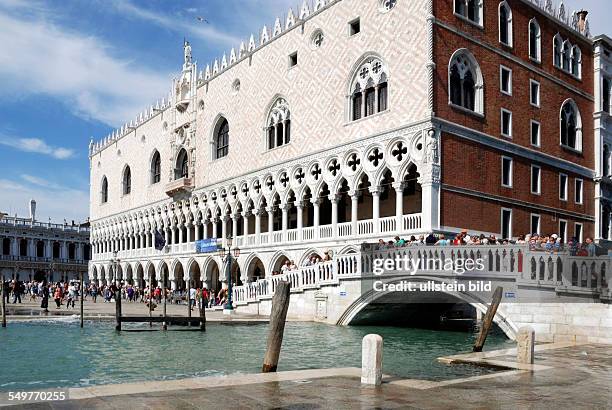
228	274
115	263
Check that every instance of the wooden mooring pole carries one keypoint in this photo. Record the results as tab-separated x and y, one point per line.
488	320
2	290
202	315
280	305
188	291
118	310
165	323
151	298
82	289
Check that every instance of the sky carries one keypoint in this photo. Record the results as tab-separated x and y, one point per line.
75	69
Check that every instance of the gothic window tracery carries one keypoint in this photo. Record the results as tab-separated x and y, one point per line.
182	165
278	128
571	126
465	82
221	139
369	89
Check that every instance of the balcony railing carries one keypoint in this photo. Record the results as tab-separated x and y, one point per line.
35	259
343	231
28	223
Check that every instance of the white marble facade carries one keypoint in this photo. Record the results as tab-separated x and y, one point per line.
335	183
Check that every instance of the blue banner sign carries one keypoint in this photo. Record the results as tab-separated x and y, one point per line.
207	245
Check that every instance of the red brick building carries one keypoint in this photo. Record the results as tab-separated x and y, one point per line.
513	90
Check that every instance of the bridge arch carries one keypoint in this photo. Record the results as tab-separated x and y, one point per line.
363	301
277	261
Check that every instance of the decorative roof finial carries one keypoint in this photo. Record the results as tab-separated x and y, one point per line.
187	53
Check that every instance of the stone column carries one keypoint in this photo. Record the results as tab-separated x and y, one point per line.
300	219
245	225
214	228
257	226
235	225
224	228
399	206
334	217
315	205
363	104
375	191
270	210
284	209
181	238
354	212
189	238
198	226
167	235
48	248
430	189
205	229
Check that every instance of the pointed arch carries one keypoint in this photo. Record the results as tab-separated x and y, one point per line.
278	123
570	125
181	164
505	23
126	180
220	137
104	190
535	40
465	82
155	167
368	89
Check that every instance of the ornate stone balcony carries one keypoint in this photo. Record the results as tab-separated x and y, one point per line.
179	186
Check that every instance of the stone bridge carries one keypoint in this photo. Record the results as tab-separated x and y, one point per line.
565	298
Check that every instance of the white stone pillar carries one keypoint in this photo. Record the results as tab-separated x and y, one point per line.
167	235
270	222
334	216
245	225
258	226
354	212
399	206
224	228
189	238
300	219
430	205
284	209
315	205
525	345
214	228
180	233
198	235
375	191
205	229
371	359
235	225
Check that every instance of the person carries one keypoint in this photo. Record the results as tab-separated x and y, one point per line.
573	246
442	240
44	294
205	296
71	295
590	247
130	293
94	292
430	240
57	296
192	297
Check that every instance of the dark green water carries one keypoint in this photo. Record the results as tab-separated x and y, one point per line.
46	354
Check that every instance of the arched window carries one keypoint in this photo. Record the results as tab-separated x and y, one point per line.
571	126
566	56
535	40
505	23
576	63
557	50
156	168
278	125
104	193
465	82
469	9
221	139
181	169
369	90
127	181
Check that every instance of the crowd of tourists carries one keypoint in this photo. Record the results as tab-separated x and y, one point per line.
66	293
551	243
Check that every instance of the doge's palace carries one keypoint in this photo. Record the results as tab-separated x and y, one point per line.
312	136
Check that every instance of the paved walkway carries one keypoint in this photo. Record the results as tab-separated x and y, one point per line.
576	377
101	310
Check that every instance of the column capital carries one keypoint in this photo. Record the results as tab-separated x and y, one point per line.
375	190
334	198
315	201
299	204
246	214
398	186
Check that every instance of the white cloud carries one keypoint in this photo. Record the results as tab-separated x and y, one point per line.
201	30
37	57
38	146
53	201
